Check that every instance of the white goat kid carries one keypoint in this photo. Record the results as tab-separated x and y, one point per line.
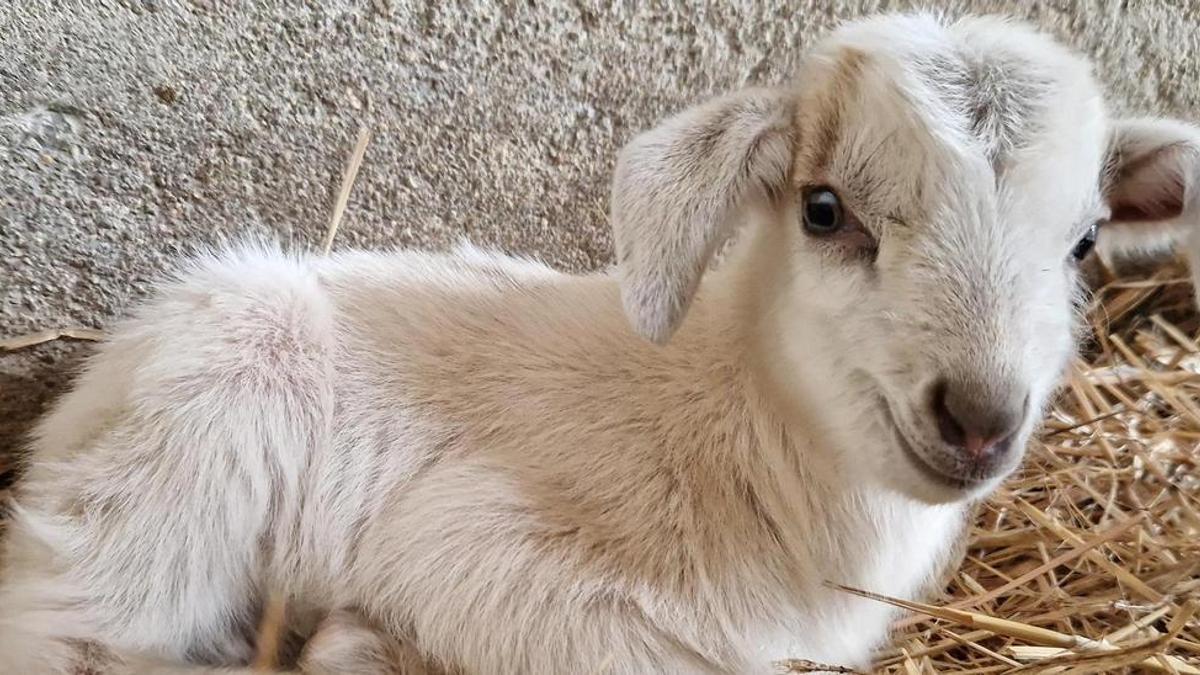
481	462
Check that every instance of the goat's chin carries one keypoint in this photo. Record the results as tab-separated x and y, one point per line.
913	476
900	473
887	467
909	482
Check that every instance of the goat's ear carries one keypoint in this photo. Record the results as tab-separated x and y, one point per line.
1153	189
678	190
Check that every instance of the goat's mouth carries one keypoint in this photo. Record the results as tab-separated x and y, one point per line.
923	466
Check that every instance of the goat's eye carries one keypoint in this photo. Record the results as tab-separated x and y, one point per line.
1085	245
823	213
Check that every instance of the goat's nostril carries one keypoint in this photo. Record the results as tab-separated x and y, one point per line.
972	421
948	426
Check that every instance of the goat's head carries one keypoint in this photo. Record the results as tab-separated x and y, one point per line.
929	189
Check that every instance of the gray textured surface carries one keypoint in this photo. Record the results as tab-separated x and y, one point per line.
134	130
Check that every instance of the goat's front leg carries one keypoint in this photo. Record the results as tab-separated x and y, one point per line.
346	643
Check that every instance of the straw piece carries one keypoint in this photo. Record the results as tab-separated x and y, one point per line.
50	335
1145	655
1039	635
1119	635
270	633
343	198
978	647
804	666
1128	579
1081	549
1015	629
940	648
1175	334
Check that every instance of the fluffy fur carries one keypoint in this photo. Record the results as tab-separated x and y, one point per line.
471	463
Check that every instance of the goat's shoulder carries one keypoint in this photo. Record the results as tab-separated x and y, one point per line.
250	317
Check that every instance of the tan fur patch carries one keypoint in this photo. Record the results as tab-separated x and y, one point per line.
830	111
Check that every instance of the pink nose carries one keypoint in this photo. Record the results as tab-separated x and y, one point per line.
970	419
977	446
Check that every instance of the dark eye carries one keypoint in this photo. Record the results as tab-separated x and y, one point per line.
1085	245
823	214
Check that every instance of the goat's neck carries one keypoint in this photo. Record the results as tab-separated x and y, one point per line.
729	323
829	518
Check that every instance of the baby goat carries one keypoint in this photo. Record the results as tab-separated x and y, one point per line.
471	463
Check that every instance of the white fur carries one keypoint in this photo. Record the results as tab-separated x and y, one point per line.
477	466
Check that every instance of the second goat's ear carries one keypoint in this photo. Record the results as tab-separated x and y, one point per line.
1154	190
678	190
1153	185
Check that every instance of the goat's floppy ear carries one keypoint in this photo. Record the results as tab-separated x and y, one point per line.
678	190
1153	188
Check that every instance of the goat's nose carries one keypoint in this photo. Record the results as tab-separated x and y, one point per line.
979	420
